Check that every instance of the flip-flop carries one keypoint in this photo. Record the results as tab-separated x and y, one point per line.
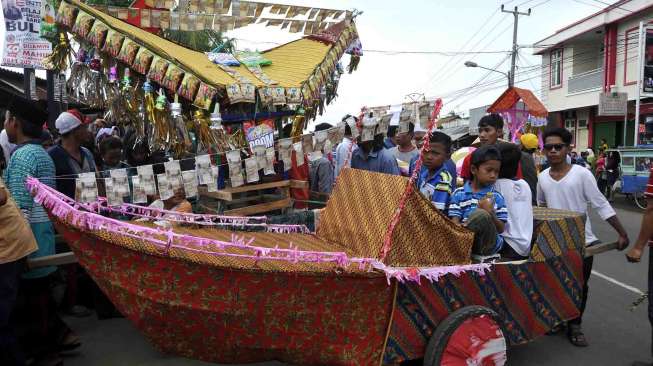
70	342
576	336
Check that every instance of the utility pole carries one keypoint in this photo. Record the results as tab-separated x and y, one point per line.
516	13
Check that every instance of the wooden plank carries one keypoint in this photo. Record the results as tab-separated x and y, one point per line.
260	208
52	260
600	248
257	187
221	194
301	184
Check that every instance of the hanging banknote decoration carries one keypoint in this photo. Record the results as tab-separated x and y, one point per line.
146	179
138	191
86	189
120	182
251	168
285	153
165	189
190	183
299	153
203	169
173	172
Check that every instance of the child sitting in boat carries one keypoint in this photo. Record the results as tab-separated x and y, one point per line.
517	194
478	206
434	180
176	203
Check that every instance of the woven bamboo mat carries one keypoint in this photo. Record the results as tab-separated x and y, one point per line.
361	208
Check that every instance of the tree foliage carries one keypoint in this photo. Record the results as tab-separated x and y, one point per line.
201	41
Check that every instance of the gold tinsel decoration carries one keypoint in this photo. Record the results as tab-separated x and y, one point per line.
61	54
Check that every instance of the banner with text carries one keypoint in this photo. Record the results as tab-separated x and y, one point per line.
23	45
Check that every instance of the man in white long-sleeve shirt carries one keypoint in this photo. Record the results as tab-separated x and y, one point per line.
572	187
343	149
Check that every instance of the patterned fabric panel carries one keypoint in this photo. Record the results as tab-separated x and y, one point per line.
556	231
225	316
359	212
530	297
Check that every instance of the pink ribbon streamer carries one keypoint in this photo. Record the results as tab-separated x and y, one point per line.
67	210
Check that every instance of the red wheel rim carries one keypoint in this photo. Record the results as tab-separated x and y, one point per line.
478	341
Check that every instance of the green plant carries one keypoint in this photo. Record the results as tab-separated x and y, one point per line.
201	41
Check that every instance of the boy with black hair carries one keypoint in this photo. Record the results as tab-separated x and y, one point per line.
111	154
517	194
342	151
490	131
372	156
478	205
571	187
405	151
434	181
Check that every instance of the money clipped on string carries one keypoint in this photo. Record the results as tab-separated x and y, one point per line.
138	191
165	190
190	183
173	172
203	169
86	190
251	169
285	153
145	175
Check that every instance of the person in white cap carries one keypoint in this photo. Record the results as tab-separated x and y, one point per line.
70	159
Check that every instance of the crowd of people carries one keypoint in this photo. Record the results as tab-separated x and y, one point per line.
493	195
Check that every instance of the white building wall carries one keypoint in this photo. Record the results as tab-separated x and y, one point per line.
559	99
627	53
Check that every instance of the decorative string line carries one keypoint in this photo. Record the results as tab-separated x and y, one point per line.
88	221
387	241
93	222
74	176
181	217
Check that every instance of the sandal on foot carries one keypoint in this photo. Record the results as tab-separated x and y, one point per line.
556	329
70	342
576	336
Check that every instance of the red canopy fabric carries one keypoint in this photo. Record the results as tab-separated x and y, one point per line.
512	95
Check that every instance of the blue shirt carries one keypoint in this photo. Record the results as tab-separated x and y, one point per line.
380	161
29	160
436	187
464	201
449	165
388	144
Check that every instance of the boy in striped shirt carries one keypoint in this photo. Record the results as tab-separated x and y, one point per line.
478	206
434	181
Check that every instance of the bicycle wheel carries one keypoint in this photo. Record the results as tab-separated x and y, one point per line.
640	200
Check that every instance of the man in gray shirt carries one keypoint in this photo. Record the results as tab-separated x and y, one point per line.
405	151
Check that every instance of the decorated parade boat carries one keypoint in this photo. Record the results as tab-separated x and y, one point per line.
205	289
384	278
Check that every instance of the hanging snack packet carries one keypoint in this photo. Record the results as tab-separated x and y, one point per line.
146	178
251	169
165	190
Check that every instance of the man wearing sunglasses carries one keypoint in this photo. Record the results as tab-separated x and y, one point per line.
572	187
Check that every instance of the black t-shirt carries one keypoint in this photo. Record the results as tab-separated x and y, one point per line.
68	167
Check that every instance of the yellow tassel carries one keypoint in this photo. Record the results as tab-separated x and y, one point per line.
297	127
61	53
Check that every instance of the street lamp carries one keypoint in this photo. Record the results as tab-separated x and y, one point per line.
474	64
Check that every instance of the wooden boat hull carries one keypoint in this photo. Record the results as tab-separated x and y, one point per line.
235	316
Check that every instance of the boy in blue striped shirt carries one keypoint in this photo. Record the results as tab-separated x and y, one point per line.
478	206
434	181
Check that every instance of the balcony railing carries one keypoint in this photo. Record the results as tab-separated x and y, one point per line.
589	80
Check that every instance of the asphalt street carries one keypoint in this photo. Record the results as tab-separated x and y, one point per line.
617	335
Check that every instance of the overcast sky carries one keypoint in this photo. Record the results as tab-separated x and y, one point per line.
432	25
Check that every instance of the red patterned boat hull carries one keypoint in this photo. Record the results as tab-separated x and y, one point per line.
229	316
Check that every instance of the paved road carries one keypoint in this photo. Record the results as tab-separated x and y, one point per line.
617	335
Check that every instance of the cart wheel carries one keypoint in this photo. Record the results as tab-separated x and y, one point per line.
469	336
640	200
